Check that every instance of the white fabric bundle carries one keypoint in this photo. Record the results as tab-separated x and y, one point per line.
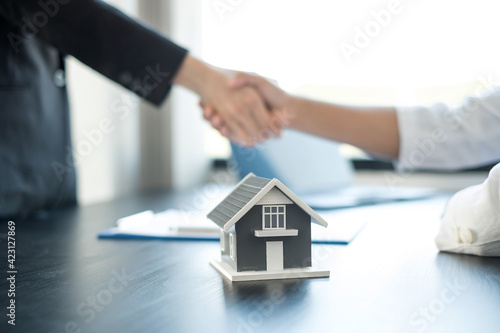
471	221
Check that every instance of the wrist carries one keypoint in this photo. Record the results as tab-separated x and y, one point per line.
292	109
195	75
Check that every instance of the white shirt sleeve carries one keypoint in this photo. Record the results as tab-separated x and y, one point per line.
471	221
439	137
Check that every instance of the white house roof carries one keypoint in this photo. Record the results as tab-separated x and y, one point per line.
246	194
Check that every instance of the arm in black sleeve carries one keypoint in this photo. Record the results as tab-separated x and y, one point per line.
103	38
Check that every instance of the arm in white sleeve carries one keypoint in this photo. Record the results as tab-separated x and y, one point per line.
471	221
438	137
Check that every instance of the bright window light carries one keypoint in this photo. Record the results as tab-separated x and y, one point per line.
362	52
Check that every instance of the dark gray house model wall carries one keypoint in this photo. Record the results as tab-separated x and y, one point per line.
251	250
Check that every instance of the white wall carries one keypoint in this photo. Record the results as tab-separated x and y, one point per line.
172	139
190	158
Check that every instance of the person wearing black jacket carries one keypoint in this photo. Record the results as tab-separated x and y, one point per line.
36	35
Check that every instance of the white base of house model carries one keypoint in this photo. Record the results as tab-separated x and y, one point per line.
287	273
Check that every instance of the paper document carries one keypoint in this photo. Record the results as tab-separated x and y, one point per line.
178	224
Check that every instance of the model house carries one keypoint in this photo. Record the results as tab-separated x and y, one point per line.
265	232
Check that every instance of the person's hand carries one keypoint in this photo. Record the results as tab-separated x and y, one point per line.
242	115
275	99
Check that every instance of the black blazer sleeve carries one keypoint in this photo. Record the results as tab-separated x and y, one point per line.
101	37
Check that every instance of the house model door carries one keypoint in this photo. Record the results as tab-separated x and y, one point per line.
274	256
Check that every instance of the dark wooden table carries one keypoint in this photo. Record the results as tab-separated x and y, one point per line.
391	278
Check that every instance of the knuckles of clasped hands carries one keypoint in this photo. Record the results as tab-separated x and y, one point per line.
266	125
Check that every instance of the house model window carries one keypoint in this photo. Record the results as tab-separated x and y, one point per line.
222	240
232	246
274	217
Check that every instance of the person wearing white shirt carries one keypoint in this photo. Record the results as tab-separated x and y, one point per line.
435	137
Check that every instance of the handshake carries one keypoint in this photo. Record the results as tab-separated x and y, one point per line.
246	109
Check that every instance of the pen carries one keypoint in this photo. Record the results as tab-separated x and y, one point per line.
195	229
